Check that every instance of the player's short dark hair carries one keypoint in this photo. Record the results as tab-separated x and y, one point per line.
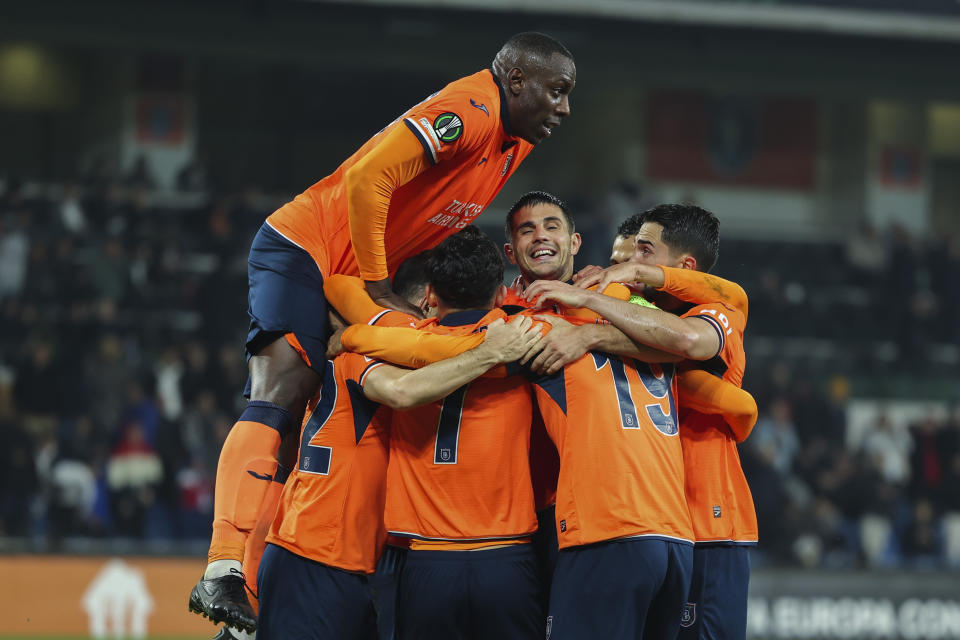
532	44
411	276
466	269
631	226
688	228
532	198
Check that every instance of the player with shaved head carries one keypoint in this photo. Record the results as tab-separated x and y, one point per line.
420	179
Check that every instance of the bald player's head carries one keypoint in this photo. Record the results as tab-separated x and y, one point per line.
537	74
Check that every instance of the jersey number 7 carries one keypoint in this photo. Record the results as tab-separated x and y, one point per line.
448	427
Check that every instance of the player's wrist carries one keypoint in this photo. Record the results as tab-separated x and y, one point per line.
490	355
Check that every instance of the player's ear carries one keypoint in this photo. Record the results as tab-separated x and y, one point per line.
501	296
430	296
687	261
575	242
515	80
508	251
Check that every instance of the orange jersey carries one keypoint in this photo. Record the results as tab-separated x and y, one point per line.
614	421
721	505
702	288
348	295
331	508
464	136
459	469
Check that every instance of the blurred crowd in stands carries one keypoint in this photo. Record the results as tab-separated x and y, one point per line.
122	322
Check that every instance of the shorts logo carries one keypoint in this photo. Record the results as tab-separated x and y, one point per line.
549	626
448	126
563	525
689	615
717	511
445	454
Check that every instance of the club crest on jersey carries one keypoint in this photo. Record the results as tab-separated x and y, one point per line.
445	454
549	626
448	126
689	615
717	511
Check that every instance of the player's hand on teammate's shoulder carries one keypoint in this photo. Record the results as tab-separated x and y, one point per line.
564	344
510	341
546	291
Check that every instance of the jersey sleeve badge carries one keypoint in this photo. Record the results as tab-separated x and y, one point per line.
448	126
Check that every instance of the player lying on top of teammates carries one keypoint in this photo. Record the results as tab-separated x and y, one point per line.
676	570
682	240
329	530
420	179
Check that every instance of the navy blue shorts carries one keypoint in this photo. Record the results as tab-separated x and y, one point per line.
716	608
285	296
386	585
471	595
307	600
546	548
620	590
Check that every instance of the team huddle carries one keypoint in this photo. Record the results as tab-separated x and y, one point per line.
434	455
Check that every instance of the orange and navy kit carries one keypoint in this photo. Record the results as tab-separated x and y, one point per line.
460	133
328	509
721	505
614	421
459	469
329	532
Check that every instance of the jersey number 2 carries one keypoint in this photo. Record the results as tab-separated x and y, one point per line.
315	458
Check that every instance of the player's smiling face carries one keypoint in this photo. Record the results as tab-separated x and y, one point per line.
543	247
542	98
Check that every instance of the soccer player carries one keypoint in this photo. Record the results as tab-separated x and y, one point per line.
409	282
313	579
458	482
420	179
624	243
673	244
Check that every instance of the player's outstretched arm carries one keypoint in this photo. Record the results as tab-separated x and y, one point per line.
700	288
706	393
370	184
405	346
686	284
407	388
690	338
567	342
349	297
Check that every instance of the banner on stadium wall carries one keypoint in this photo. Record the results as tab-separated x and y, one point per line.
795	605
99	597
766	142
